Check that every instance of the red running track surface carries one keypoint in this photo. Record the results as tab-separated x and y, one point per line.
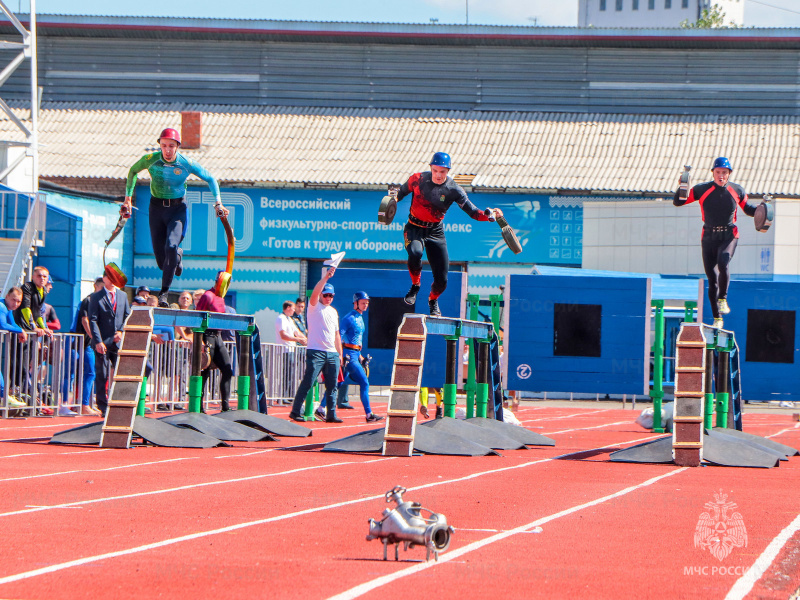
284	520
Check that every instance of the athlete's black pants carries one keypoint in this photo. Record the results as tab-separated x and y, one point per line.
221	358
431	240
167	228
717	254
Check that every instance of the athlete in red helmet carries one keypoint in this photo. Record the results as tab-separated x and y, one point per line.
168	173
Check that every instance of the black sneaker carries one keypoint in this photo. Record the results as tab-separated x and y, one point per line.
320	415
179	268
439	412
345	406
163	300
411	296
296	417
434	306
333	420
372	418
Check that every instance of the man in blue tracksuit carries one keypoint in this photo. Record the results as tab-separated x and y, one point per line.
352	332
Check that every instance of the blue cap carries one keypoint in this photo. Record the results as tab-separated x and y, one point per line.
328	289
360	296
441	159
722	163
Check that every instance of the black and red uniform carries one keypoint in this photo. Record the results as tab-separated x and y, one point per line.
424	230
718	207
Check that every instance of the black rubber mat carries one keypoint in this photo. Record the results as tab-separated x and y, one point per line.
218	428
517	432
251	418
474	433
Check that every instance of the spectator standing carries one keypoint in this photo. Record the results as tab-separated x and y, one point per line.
299	316
29	314
81	325
210	302
48	312
108	309
352	334
286	331
324	348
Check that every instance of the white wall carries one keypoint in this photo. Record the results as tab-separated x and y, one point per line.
650	236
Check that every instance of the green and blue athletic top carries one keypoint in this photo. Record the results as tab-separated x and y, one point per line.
168	179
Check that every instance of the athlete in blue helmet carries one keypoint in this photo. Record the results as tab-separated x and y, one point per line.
432	193
324	349
352	332
719	200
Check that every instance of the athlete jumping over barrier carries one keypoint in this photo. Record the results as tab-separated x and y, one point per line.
433	192
718	201
168	173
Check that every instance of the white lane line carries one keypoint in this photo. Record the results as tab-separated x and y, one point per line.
54	453
592	412
308	511
587	428
784	430
362	589
145	464
183	487
745	583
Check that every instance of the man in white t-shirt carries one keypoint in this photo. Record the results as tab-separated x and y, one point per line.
324	352
286	331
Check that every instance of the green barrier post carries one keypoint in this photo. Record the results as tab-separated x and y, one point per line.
142	396
196	380
243	381
470	385
657	391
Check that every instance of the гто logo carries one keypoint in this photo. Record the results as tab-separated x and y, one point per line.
720	530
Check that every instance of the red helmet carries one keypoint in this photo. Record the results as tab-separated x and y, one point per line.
170	134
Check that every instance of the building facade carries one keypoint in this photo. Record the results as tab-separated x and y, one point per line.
654	13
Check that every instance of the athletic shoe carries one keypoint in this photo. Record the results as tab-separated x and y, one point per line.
411	295
439	412
296	417
163	300
64	411
333	420
346	406
786	404
14	403
717	323
434	306
724	309
179	268
372	418
45	412
319	414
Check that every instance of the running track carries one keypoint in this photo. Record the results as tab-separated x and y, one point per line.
284	520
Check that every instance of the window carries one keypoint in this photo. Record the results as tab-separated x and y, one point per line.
667	3
619	5
684	3
602	4
651	4
635	4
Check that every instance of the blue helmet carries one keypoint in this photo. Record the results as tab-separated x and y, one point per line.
722	163
328	289
360	296
441	159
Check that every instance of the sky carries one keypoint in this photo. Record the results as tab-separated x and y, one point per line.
758	13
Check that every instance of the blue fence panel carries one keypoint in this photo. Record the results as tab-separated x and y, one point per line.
622	366
764	381
385	283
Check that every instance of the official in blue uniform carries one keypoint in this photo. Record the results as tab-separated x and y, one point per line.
352	331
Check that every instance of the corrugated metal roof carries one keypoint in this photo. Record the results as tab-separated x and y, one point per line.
423	32
369	147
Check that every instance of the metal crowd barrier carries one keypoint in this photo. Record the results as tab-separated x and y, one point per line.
40	375
47	374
